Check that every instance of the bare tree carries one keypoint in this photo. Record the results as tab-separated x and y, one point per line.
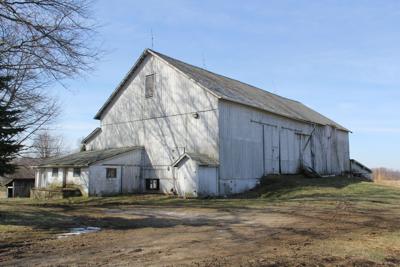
45	145
42	42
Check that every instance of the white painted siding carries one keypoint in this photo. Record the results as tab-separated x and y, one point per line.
207	181
100	185
82	181
164	124
254	143
46	179
128	179
187	178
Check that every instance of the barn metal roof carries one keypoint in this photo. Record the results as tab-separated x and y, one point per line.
85	158
234	91
201	159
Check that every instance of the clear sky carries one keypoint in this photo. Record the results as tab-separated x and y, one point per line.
341	58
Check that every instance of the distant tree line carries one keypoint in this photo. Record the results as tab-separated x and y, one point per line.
380	174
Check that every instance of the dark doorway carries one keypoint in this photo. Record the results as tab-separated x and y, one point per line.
10	192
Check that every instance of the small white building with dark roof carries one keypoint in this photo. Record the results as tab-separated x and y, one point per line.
96	173
202	133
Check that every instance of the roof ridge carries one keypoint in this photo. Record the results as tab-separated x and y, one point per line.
232	90
223	76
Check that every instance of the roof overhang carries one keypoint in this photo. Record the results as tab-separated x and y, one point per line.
361	165
142	57
93	134
201	159
86	158
121	84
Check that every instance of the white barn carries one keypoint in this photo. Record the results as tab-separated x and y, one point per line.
200	133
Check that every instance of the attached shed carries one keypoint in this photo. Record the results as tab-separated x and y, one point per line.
95	173
360	170
196	175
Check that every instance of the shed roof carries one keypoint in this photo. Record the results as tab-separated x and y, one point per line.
353	161
85	158
234	91
201	159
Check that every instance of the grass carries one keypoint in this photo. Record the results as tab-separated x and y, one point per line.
272	189
283	188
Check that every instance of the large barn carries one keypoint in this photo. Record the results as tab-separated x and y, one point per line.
177	128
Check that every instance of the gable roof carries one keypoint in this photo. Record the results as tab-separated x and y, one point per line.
234	91
85	158
94	133
201	159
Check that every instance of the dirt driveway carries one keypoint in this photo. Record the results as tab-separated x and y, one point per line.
200	233
286	221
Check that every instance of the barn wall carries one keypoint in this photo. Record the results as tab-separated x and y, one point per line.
187	178
164	124
44	178
81	181
129	173
253	142
207	181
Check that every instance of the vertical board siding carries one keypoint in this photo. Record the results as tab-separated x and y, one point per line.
128	180
248	142
208	181
163	124
271	149
187	178
247	135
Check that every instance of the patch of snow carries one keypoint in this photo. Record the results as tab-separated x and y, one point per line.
79	231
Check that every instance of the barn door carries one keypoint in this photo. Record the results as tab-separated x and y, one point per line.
207	181
271	149
289	144
305	150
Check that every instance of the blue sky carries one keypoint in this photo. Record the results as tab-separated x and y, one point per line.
341	58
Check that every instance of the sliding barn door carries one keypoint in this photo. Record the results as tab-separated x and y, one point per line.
305	150
290	160
271	149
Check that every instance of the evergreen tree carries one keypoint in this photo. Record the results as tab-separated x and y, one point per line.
8	133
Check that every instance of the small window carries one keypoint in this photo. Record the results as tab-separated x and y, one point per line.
111	173
149	85
54	172
153	184
77	172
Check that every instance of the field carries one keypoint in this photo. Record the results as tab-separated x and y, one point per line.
286	221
